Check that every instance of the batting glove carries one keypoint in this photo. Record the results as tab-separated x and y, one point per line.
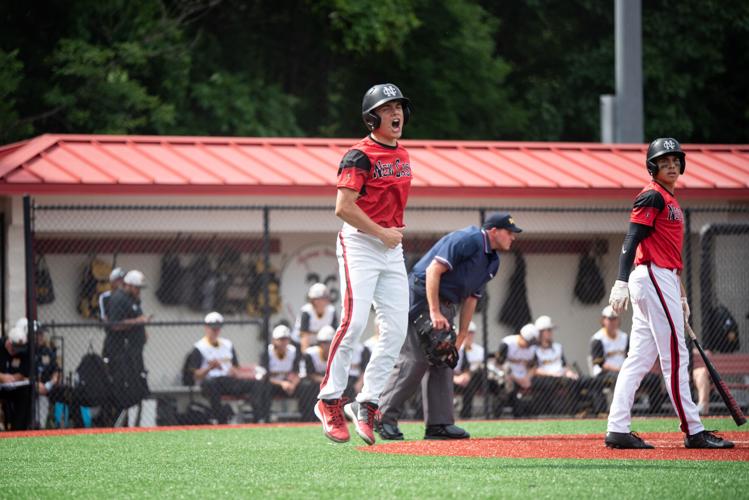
685	308
619	297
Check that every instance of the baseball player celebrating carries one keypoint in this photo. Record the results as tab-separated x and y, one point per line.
374	179
659	305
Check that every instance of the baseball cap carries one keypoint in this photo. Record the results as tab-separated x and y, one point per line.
281	332
544	323
472	327
317	291
135	278
529	332
326	334
501	220
117	274
19	334
608	312
214	318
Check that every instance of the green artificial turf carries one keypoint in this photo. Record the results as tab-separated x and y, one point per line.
298	462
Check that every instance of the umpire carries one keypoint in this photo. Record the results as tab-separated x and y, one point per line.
453	273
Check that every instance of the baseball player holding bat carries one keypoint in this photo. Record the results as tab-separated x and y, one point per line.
659	305
374	179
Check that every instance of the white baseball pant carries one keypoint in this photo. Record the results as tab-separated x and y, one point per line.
370	273
657	330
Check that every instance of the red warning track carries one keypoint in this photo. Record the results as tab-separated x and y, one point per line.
668	446
126	430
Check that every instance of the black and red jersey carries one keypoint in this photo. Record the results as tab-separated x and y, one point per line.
381	175
656	207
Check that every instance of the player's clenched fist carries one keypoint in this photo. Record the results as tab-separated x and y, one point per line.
619	297
392	236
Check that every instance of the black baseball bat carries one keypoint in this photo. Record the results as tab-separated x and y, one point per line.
731	404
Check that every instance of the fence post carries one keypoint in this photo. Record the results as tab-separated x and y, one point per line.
2	275
485	337
30	306
688	253
266	277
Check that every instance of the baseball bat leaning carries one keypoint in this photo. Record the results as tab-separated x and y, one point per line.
731	404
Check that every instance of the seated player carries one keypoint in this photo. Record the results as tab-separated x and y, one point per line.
215	366
556	387
608	350
284	362
518	355
469	374
313	315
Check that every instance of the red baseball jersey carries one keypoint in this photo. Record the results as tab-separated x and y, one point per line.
656	207
381	175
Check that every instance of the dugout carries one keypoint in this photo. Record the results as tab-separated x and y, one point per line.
571	199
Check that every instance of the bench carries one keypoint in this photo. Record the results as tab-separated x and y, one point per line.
734	370
282	409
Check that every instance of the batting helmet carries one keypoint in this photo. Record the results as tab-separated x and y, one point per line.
379	95
661	147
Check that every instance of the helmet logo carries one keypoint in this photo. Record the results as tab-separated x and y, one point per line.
669	144
390	91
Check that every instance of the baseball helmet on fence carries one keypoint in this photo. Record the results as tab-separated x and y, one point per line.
379	95
661	147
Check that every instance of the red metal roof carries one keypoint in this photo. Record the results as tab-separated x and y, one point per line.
109	164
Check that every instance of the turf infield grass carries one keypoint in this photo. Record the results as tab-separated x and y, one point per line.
298	462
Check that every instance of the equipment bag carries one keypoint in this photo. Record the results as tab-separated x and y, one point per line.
94	381
515	311
589	285
45	292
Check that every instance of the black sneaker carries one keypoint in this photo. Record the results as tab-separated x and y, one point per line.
706	439
389	432
626	441
445	432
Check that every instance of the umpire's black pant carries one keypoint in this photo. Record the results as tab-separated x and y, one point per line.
408	375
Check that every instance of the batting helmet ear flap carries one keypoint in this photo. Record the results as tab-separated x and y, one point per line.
371	120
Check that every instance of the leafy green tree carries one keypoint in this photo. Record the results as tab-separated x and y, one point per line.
475	69
10	78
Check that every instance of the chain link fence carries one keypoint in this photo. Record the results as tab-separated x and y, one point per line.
254	265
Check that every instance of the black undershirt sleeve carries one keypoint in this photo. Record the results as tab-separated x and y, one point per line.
596	353
502	354
636	233
354	159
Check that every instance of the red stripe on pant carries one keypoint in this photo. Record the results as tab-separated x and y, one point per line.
675	364
346	320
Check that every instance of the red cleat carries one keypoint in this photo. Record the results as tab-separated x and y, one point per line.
330	413
363	415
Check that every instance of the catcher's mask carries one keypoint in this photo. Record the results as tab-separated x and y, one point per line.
661	147
376	97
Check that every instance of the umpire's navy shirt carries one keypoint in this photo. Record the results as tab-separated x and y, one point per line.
471	262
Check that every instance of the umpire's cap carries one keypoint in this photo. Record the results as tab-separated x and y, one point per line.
379	95
661	147
501	220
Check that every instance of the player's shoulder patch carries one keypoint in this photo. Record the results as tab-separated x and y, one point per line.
355	158
650	199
